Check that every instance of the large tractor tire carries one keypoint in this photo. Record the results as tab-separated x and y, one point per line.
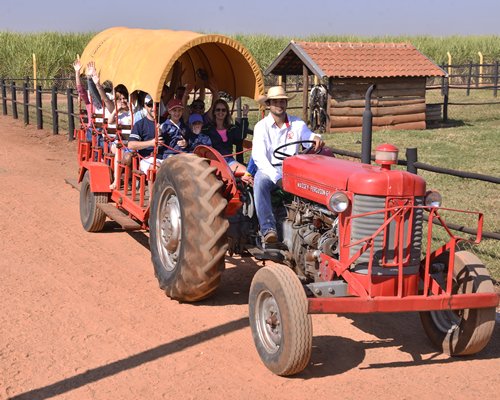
187	228
92	217
466	331
281	326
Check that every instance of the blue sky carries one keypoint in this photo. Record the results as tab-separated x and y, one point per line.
288	18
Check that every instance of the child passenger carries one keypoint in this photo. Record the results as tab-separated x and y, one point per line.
174	130
196	137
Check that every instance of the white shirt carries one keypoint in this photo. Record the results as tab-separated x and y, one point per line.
267	137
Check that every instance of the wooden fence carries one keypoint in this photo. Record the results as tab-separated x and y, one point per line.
412	164
27	91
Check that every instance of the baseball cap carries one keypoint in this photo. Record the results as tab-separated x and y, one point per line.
193	118
174	103
148	99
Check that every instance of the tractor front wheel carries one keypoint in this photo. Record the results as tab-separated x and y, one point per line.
187	228
466	331
281	326
92	217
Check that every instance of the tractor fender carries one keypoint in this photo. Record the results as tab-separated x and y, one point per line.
224	173
99	176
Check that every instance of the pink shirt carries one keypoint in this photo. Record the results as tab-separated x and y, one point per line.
223	134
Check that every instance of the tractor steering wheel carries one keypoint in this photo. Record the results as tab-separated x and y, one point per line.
280	155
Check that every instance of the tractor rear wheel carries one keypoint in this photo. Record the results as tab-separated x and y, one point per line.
187	228
281	326
92	217
466	331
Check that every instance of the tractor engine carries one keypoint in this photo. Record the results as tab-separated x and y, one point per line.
308	229
367	217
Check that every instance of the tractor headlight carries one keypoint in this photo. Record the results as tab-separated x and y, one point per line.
339	202
433	199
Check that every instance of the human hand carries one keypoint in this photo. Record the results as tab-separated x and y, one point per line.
182	143
247	178
90	68
92	72
244	110
77	65
318	143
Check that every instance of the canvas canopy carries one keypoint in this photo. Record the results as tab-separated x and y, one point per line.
143	59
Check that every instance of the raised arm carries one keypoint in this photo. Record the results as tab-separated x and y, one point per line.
91	70
81	91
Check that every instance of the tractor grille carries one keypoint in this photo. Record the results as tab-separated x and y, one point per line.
367	225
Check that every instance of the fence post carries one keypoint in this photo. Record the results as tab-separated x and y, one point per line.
55	114
14	99
469	78
495	82
4	97
39	113
71	112
27	81
411	159
445	100
479	70
26	100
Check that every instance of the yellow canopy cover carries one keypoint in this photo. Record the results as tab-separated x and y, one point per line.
143	59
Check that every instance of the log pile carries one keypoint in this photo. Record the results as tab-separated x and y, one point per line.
397	103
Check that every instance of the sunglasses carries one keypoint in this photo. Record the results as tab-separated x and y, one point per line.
198	106
220	110
150	104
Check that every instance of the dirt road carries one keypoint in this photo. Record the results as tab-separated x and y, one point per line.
82	317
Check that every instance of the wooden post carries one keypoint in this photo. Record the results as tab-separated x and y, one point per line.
39	114
449	65
305	87
411	159
14	99
71	112
481	59
55	114
469	78
445	100
26	101
495	82
4	97
34	70
239	144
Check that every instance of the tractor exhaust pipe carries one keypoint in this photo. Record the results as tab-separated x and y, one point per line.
366	138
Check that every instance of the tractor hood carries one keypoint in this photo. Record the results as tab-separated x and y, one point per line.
317	177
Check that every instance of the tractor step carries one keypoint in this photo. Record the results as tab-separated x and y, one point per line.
115	214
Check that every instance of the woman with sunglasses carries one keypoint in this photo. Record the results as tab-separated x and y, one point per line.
225	135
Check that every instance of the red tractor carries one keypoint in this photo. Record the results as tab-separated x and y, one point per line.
352	242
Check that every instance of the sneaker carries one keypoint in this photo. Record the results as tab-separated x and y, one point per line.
270	236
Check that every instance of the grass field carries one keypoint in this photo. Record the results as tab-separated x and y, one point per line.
55	51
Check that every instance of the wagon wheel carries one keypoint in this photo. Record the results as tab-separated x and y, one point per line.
465	331
187	228
92	217
281	327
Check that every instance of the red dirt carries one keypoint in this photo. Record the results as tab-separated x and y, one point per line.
82	317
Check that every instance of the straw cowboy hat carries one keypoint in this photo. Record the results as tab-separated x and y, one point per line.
275	92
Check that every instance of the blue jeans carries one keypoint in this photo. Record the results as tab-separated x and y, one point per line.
262	188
